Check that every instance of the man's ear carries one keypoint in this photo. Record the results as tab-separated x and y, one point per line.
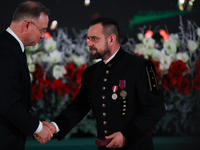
25	25
111	39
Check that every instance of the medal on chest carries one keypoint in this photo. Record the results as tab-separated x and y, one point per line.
114	95
122	85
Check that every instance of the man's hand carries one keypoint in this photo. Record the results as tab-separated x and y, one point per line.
44	135
51	126
118	140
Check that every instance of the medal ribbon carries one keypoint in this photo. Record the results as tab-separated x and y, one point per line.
115	88
122	84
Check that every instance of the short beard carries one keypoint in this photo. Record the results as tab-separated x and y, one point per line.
98	55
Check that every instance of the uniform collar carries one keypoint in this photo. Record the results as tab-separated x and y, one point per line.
109	59
117	56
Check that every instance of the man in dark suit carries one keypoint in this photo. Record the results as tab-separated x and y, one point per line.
28	26
121	90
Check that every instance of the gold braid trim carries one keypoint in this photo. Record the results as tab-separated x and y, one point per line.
149	79
155	78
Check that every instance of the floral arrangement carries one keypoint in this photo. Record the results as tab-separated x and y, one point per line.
177	61
57	63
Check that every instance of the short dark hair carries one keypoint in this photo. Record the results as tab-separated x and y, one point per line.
110	26
29	9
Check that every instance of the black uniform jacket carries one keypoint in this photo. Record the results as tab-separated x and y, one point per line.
134	114
15	94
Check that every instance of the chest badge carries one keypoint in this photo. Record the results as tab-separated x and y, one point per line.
114	95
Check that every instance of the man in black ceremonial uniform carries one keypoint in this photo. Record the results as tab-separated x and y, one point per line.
121	90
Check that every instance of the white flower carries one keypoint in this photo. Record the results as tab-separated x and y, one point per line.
157	55
78	60
55	56
198	32
58	71
182	56
170	47
50	44
192	45
165	63
38	57
140	36
174	37
140	49
31	67
149	42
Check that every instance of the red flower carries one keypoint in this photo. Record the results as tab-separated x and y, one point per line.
196	83
36	92
79	73
140	55
178	67
166	82
70	71
46	84
185	86
39	72
64	90
57	85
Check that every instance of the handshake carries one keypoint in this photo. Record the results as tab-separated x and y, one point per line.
46	133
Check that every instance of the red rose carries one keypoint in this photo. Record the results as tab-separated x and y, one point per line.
46	84
178	67
70	71
57	85
36	92
185	86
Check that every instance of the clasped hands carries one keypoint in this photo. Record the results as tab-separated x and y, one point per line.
46	133
117	138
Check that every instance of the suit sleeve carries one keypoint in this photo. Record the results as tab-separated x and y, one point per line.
152	104
13	108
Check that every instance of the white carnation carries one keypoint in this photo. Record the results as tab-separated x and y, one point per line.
182	56
170	47
38	57
58	71
192	45
55	56
50	44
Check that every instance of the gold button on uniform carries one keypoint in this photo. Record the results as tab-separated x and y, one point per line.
123	114
104	122
103	87
103	97
124	105
103	105
104	114
124	102
105	131
104	79
107	72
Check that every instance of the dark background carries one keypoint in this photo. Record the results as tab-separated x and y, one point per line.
74	14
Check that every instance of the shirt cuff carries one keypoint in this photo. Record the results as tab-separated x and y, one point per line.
56	126
39	128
